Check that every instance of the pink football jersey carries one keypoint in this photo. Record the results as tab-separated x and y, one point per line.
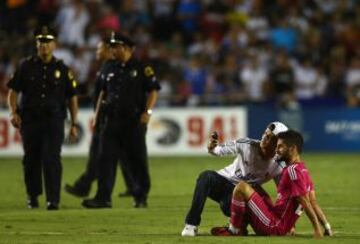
295	181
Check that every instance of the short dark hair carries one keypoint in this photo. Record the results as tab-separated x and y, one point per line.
292	138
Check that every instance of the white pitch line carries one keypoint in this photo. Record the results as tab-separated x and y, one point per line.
343	208
34	233
47	233
342	233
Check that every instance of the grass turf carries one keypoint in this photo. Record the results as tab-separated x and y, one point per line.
336	178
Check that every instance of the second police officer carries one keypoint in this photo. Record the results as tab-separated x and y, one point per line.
130	91
82	186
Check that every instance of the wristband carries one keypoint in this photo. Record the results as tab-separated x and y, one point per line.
327	226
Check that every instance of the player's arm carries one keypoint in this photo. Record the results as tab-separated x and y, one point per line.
213	143
12	103
320	214
225	149
304	200
276	179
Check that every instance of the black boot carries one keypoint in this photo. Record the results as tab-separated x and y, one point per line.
52	206
94	203
77	191
32	202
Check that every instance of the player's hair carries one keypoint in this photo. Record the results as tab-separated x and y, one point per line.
292	138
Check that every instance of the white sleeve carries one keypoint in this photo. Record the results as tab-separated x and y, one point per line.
228	148
276	169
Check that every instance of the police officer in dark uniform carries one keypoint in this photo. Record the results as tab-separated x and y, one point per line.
82	185
44	87
130	90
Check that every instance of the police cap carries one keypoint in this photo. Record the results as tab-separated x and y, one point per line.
119	39
45	34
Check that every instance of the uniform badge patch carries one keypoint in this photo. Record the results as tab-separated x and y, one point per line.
74	83
133	73
57	74
149	71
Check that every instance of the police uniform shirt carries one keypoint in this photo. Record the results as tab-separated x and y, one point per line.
248	165
99	83
127	84
44	85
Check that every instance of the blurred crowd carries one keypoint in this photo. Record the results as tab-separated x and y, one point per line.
205	52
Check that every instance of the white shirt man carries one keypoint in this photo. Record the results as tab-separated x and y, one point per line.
254	163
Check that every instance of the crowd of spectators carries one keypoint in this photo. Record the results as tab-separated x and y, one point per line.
205	52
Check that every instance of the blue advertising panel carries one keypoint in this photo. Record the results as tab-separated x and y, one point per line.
323	129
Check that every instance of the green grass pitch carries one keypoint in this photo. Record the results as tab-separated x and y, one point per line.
336	178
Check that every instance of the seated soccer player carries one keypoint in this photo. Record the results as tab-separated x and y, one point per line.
295	193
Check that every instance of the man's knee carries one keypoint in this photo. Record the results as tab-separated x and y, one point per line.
206	176
205	179
241	188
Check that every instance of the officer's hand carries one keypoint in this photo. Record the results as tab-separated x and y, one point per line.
214	140
145	117
15	120
73	133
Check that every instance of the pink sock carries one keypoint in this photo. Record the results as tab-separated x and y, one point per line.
237	212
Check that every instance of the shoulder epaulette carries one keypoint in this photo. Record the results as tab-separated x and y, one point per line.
27	59
59	61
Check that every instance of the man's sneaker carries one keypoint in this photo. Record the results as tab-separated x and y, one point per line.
32	202
189	230
76	191
222	231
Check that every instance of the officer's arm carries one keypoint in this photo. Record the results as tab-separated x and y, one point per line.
12	102
150	103
98	104
73	107
151	100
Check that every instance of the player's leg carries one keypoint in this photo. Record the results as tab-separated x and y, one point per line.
264	195
209	184
241	194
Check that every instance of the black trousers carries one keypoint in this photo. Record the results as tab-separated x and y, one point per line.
83	183
209	184
42	139
124	141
